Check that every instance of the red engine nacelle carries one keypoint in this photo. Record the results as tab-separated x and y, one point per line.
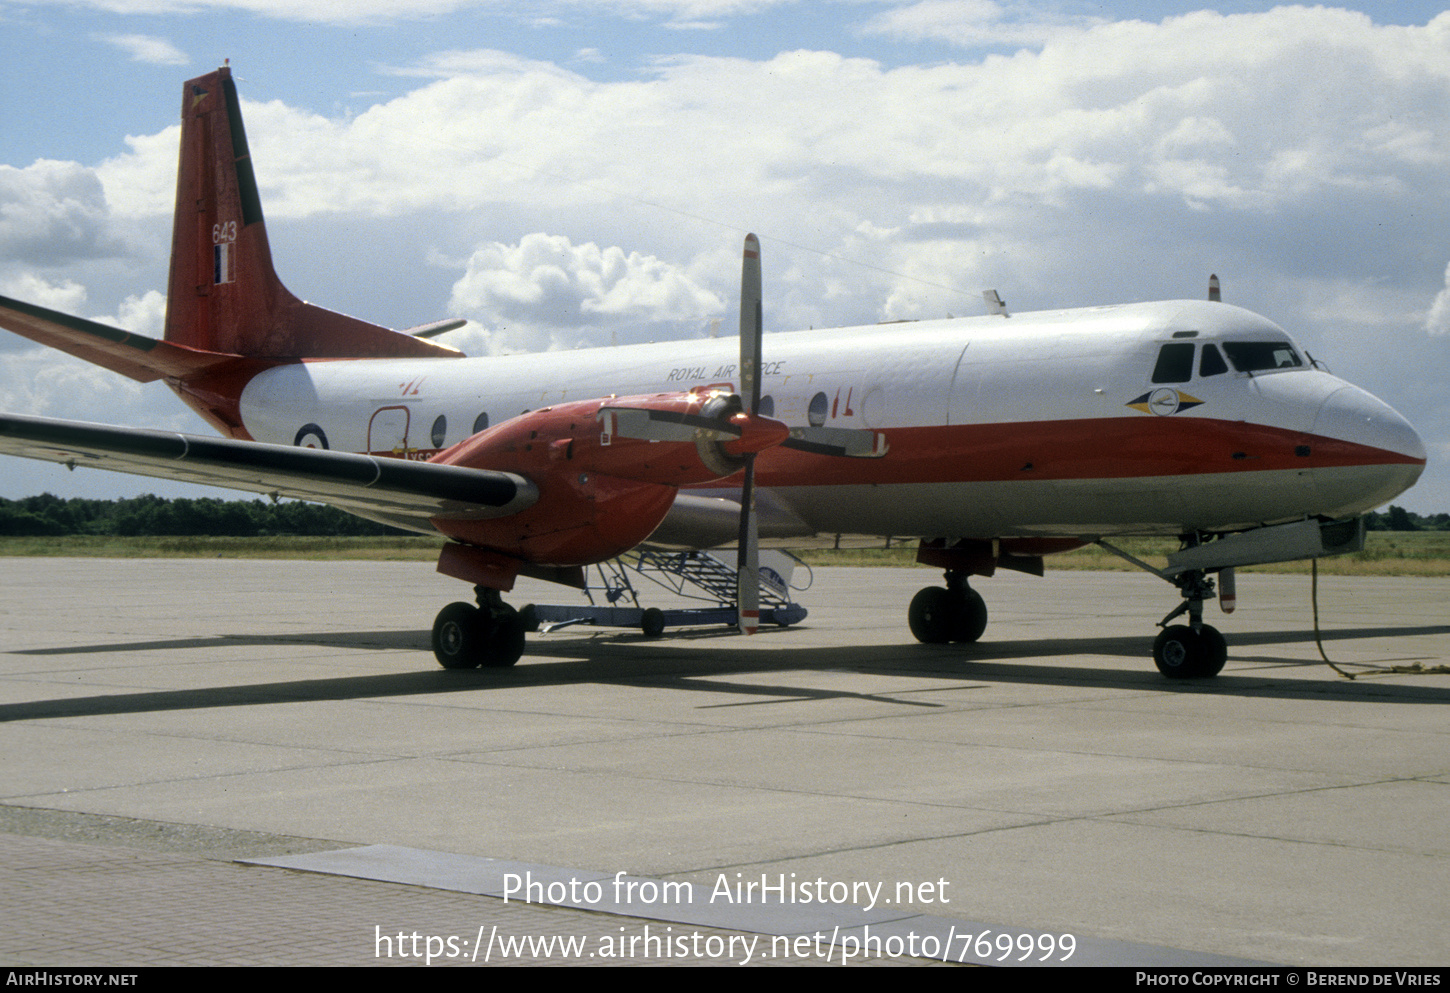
600	493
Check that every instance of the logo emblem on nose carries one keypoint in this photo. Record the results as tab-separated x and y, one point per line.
1164	401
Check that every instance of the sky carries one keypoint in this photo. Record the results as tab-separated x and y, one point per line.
580	172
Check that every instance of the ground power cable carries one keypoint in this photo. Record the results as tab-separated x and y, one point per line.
1371	670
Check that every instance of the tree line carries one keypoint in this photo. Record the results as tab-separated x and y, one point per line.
50	516
1399	519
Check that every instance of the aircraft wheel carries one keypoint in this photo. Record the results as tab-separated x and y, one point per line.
1215	651
529	617
652	623
1183	653
931	615
971	616
458	636
505	644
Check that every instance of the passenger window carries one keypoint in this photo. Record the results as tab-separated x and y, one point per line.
816	413
440	430
1212	363
767	406
480	423
1175	364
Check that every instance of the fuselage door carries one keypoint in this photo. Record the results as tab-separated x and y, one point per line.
388	431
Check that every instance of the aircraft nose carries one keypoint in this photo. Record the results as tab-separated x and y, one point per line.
1377	455
1350	414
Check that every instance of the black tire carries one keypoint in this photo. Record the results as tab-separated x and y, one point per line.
506	642
931	614
971	617
529	617
458	636
1179	652
652	622
1215	651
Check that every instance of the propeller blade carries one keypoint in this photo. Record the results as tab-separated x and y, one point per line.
845	442
668	425
751	326
747	567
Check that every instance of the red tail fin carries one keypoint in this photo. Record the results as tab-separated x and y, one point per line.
224	295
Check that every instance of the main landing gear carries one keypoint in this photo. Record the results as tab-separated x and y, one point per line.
490	634
957	613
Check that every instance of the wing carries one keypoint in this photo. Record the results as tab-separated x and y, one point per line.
394	491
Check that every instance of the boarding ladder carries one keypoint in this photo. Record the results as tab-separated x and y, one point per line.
694	575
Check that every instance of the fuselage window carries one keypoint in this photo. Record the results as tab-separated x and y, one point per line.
1211	363
1254	356
440	430
767	406
1175	364
480	423
816	413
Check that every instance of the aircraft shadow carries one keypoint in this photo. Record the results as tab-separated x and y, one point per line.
631	660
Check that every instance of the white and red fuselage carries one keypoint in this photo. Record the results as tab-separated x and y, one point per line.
1060	423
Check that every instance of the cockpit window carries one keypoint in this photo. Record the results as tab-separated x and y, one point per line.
1254	356
1175	364
1211	363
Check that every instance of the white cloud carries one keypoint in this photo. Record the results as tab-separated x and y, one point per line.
972	23
140	314
67	295
43	382
52	213
148	49
546	292
1437	321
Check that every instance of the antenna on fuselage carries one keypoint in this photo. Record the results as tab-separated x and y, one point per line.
1213	293
995	304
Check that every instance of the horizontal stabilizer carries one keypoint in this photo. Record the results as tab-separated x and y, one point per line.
141	358
436	327
404	493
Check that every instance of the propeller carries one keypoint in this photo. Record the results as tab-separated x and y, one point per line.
747	566
728	431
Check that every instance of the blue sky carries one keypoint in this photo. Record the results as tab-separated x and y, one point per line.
423	159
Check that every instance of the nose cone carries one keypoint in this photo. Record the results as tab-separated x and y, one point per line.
1375	454
1350	414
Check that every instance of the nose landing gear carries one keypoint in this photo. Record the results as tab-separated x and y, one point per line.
1194	650
1185	651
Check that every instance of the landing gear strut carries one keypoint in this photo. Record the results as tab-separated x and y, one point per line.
1184	651
957	613
490	634
1194	650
